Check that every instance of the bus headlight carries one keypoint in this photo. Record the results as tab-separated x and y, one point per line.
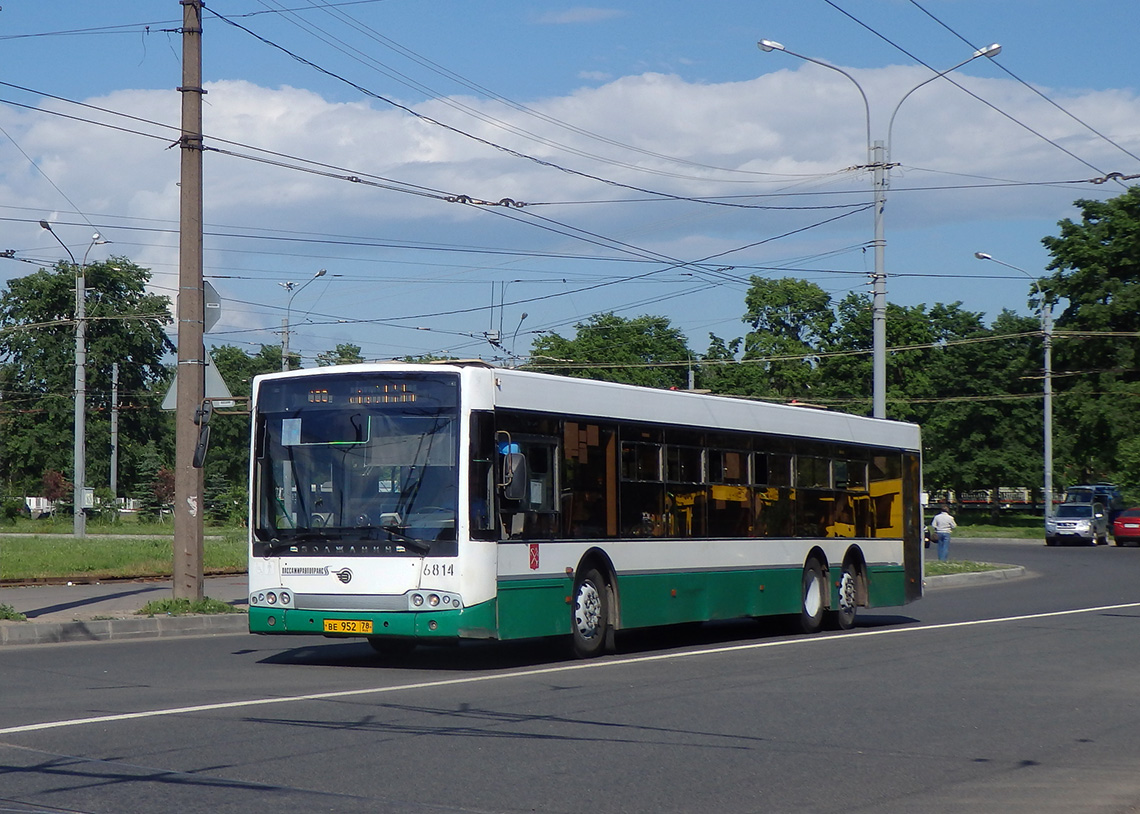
418	600
270	598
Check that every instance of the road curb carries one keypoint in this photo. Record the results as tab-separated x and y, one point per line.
164	627
105	630
1002	574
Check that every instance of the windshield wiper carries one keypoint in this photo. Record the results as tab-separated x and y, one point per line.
422	546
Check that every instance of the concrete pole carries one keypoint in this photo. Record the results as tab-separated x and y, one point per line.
115	434
1047	330
79	525
879	290
188	482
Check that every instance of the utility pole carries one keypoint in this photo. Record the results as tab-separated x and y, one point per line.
115	435
188	480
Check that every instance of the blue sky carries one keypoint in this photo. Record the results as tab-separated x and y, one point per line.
628	129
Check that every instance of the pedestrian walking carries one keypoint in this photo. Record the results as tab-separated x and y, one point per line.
943	524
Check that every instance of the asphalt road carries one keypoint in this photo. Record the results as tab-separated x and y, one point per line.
1014	696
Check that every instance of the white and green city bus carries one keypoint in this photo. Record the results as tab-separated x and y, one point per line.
429	503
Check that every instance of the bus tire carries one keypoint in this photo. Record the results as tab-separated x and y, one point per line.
813	595
590	614
843	617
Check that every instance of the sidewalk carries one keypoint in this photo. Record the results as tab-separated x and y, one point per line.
107	611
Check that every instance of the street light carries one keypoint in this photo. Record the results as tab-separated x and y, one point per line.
293	290
878	160
79	449
1047	341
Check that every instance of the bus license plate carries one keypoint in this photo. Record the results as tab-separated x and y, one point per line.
348	626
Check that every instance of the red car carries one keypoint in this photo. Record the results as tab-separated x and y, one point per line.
1126	527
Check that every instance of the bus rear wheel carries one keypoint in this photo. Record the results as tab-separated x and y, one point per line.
843	617
814	590
589	614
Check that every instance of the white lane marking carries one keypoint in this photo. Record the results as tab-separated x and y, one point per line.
562	668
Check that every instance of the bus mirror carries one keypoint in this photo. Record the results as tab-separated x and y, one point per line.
514	475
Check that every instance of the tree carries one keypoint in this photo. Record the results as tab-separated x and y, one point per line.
37	368
229	433
1096	269
646	350
345	354
155	488
721	371
791	323
55	486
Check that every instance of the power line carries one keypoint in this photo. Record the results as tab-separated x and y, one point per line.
1029	86
960	87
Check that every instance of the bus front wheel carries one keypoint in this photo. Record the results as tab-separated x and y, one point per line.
814	591
590	614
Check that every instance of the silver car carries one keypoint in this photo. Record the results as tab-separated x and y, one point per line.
1081	523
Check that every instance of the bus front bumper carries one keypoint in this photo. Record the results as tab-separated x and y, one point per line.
476	622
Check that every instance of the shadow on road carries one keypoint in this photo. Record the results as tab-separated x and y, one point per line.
478	656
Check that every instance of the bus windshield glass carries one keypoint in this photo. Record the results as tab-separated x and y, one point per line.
348	459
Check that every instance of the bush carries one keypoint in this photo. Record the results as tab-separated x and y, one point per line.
10	509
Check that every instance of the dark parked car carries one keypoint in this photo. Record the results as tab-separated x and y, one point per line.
1106	494
1126	527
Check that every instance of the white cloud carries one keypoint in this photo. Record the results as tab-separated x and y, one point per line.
791	131
579	15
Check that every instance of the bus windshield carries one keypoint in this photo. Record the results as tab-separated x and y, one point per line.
348	459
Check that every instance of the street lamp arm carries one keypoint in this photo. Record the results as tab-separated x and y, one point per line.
1036	282
293	290
45	225
990	51
772	45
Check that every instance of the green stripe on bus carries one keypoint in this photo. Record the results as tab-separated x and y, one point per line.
530	608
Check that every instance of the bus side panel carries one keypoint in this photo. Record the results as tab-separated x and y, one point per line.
665	599
887	585
534	607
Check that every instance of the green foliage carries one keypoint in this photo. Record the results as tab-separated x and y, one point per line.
791	321
646	350
723	373
37	347
10	509
97	556
229	432
1128	469
345	354
226	503
10	614
155	489
934	568
1096	271
182	607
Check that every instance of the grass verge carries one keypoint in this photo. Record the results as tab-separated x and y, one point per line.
182	607
936	568
98	556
